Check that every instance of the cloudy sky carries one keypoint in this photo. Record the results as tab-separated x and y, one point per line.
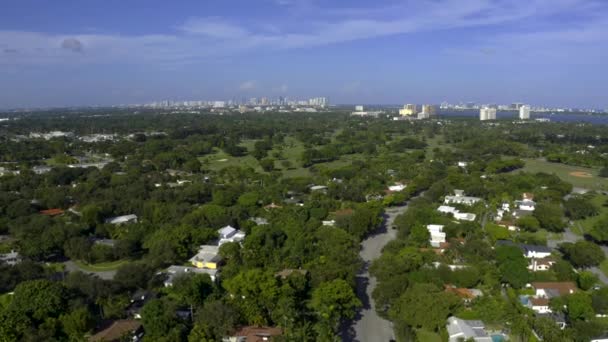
86	52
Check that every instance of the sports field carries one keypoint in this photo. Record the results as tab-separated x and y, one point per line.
580	177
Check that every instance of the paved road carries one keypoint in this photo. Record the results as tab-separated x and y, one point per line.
569	236
70	266
368	326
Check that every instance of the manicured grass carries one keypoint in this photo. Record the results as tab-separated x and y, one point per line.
427	336
101	267
563	171
598	200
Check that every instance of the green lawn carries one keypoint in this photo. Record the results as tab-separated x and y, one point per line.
588	223
427	336
102	266
563	171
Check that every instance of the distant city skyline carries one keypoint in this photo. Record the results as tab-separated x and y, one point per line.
109	52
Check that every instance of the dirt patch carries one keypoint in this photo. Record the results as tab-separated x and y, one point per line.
581	174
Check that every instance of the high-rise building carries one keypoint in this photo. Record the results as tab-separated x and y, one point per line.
486	113
359	108
524	112
408	110
429	110
516	105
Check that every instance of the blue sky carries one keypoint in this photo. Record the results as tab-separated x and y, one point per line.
88	52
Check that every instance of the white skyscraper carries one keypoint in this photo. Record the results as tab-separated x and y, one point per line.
487	113
524	112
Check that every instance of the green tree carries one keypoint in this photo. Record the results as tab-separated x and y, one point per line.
550	216
255	292
579	306
528	223
39	299
424	306
586	280
334	300
513	266
578	208
76	323
583	253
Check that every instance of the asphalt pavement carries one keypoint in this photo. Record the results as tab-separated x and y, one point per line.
368	326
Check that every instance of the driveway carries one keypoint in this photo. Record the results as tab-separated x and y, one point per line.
70	266
368	325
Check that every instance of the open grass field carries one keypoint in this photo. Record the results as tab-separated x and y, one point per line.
102	266
580	177
598	200
427	336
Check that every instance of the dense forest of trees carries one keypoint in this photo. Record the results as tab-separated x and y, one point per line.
297	272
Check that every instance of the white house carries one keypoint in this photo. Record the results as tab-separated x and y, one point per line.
446	209
122	219
536	252
526	205
175	271
544	291
460	198
12	258
539	265
437	234
460	330
397	187
230	234
457	214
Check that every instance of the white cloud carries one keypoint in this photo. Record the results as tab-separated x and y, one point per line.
281	89
207	37
247	85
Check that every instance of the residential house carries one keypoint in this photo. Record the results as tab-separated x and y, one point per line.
328	223
437	234
320	188
272	206
120	330
397	187
41	169
460	198
207	257
544	291
122	219
460	329
52	212
12	258
175	271
254	334
526	203
542	264
260	221
456	214
535	251
230	234
467	295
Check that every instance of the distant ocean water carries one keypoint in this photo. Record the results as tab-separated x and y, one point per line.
557	117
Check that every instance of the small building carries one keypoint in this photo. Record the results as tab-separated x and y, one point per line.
328	223
12	258
460	329
41	169
456	213
207	257
254	334
132	218
230	234
437	234
321	188
397	187
175	271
